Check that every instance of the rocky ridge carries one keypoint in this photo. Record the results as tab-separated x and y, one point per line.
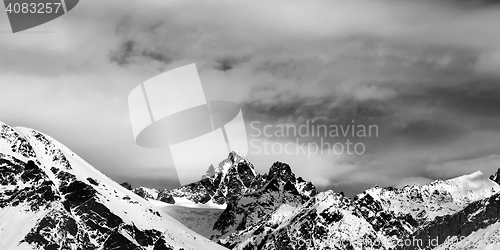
51	199
277	210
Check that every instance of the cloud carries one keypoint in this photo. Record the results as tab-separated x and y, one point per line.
357	49
364	93
424	71
307	160
489	63
487	164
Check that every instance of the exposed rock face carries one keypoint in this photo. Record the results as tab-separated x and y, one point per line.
198	192
74	214
277	210
278	216
496	177
391	224
52	199
25	183
126	185
231	178
210	172
477	215
166	197
268	200
438	198
146	193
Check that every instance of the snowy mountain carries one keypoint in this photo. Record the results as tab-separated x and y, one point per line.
269	198
147	193
379	218
231	178
245	196
438	198
482	239
462	228
280	211
496	177
52	199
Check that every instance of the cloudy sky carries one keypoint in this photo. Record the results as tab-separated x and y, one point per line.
427	73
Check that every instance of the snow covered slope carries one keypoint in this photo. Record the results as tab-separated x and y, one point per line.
438	198
198	217
475	219
231	178
379	218
277	210
482	239
269	199
50	198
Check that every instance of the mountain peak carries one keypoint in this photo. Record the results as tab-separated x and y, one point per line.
496	177
281	170
53	199
477	174
235	156
229	179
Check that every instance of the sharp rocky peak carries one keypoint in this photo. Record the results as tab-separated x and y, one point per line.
235	157
496	177
231	178
281	170
267	201
273	217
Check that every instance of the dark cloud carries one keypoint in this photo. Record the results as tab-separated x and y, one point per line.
425	132
229	62
478	99
425	72
122	55
129	54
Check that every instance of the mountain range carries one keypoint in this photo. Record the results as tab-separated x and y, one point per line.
52	199
278	210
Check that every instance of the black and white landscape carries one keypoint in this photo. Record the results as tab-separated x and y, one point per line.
52	199
328	124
